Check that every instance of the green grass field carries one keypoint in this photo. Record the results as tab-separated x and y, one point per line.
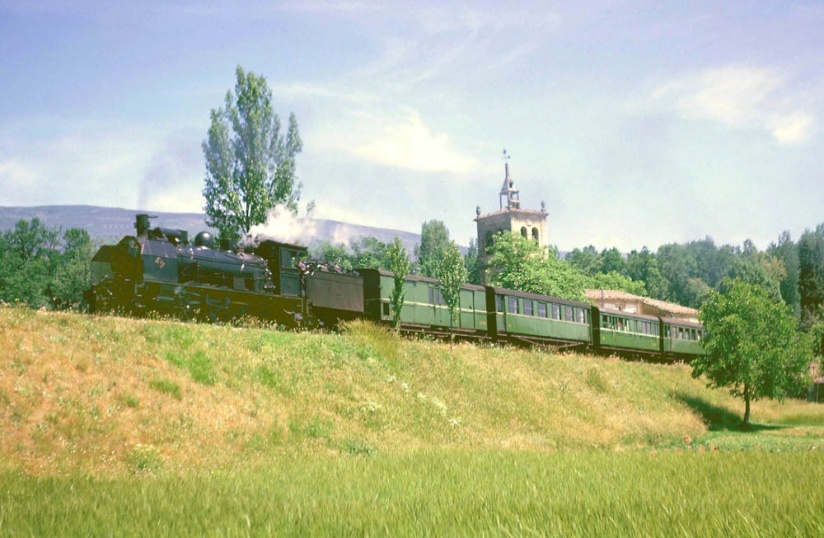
115	426
442	494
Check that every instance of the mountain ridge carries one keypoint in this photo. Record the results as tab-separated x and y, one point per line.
111	223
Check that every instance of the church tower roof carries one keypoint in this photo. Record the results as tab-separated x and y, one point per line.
508	189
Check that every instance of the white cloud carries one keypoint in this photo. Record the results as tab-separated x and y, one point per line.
408	143
398	139
13	173
792	128
731	95
740	97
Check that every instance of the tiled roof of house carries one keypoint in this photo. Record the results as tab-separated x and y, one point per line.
595	296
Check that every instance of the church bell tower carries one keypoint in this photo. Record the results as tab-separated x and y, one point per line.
529	223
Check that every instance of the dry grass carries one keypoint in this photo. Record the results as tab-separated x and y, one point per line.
108	395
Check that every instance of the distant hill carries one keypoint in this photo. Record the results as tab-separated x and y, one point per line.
111	223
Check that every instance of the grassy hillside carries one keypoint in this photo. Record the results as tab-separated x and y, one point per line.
107	396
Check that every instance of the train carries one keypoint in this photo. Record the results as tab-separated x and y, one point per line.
159	271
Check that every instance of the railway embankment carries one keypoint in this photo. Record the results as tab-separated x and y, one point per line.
108	395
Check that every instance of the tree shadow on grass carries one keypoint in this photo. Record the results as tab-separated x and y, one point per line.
721	418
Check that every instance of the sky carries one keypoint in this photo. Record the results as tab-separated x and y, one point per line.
638	123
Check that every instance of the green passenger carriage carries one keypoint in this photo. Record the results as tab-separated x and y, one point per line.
621	331
681	339
529	317
423	308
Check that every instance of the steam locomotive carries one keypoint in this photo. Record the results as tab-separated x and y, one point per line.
159	270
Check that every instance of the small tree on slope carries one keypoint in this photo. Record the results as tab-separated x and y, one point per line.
752	346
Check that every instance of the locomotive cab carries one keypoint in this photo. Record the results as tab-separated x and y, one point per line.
283	259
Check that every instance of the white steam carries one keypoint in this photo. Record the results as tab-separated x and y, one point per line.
284	226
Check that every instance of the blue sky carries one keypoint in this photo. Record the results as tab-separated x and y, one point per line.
638	123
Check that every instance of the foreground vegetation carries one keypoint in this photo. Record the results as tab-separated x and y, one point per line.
162	427
443	494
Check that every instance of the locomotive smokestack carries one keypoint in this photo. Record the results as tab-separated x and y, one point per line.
142	224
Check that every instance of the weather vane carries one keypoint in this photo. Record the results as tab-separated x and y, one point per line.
506	156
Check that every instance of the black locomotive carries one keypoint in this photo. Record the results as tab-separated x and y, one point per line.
158	270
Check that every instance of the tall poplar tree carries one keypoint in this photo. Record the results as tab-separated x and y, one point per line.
250	164
400	266
452	274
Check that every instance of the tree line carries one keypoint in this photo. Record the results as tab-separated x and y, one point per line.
44	267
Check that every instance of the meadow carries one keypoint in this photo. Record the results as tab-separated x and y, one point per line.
134	427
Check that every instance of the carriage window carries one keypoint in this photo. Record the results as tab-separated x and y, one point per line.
579	315
499	303
542	310
513	305
556	312
527	307
568	314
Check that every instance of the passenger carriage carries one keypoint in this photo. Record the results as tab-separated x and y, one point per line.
529	317
682	339
624	332
424	308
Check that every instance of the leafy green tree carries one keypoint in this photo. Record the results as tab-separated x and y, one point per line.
518	263
430	251
643	267
811	275
452	275
72	275
473	272
587	260
612	261
616	281
752	346
370	252
752	267
817	342
364	252
27	256
335	254
400	266
787	251
41	268
252	169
